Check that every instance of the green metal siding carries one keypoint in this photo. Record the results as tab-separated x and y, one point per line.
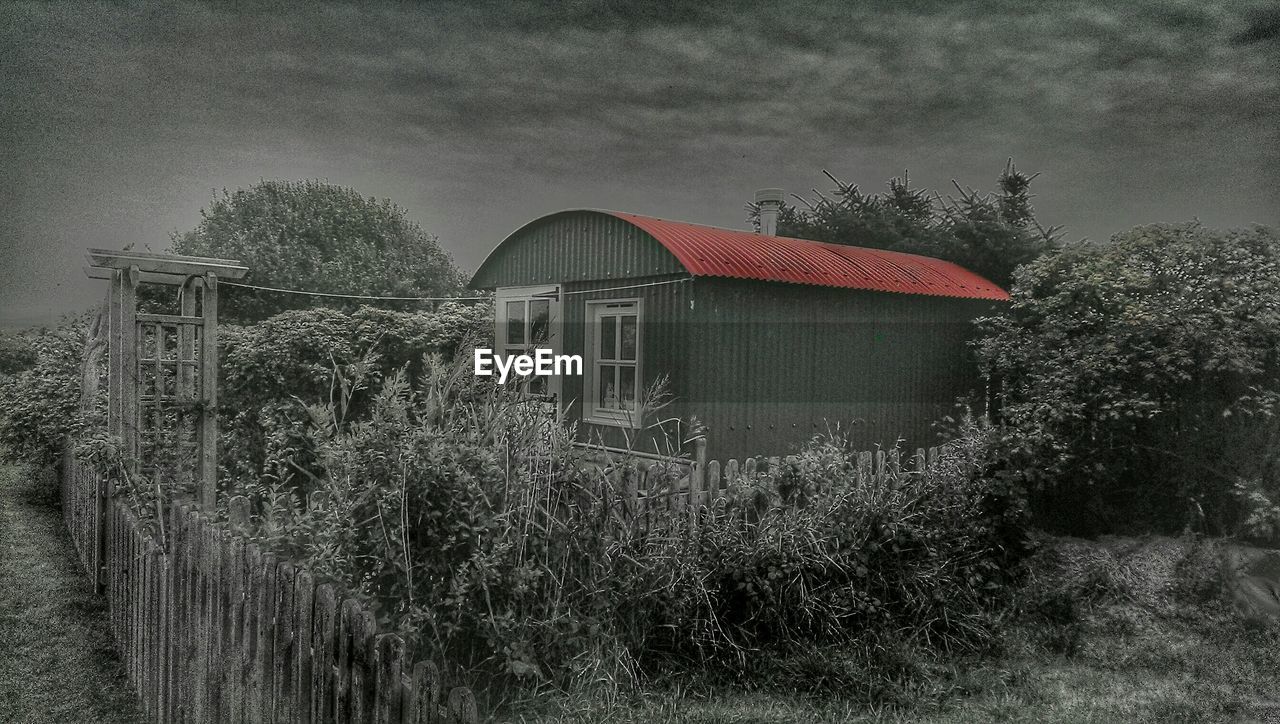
664	349
774	364
575	246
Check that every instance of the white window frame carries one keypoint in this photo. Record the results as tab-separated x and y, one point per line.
593	411
550	293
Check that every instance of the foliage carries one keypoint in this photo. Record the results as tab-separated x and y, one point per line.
812	552
989	234
42	398
269	367
318	237
16	353
1141	379
473	526
1119	586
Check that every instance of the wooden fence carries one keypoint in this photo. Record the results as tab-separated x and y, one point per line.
212	628
676	486
82	510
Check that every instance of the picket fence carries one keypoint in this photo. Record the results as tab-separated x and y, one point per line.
211	628
693	486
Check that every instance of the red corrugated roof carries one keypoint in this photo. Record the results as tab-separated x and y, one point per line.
714	252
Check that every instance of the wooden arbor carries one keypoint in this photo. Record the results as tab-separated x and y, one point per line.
163	373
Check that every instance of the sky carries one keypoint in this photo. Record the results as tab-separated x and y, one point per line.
120	121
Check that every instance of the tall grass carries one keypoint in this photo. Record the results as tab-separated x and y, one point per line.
471	523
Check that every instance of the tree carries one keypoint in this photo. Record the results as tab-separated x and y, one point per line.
316	236
990	234
1141	380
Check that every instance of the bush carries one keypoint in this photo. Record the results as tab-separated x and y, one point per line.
814	552
42	393
269	368
472	525
1141	381
1120	586
16	353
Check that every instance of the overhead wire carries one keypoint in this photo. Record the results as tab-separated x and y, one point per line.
335	295
349	296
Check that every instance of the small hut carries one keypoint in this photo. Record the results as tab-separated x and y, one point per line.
765	340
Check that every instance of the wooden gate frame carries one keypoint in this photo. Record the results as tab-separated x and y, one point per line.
197	281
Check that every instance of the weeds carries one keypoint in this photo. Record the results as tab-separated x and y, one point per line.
472	524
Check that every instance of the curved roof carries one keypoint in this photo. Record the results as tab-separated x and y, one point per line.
715	252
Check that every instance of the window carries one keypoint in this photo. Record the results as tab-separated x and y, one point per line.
614	385
526	317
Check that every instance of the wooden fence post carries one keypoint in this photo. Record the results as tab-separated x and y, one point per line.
129	367
362	670
323	653
697	481
284	642
208	456
233	650
348	616
301	666
425	706
712	484
254	577
264	661
388	662
462	706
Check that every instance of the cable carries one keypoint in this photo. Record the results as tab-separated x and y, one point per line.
631	286
437	299
350	296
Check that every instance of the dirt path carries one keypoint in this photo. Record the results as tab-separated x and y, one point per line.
56	659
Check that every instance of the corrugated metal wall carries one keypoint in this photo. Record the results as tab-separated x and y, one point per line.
774	364
664	349
574	246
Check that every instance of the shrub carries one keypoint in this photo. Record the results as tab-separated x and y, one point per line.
42	395
269	368
814	552
472	524
1141	380
1120	585
16	353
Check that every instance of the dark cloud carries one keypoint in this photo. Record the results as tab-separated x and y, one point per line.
1263	24
119	120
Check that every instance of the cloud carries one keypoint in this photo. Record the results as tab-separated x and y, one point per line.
617	102
829	73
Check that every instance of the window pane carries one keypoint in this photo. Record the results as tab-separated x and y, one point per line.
539	320
537	385
515	323
627	392
608	399
608	337
629	337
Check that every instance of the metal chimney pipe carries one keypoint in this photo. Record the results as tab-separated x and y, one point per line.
769	201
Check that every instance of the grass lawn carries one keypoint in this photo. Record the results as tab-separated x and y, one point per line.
1136	650
56	659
